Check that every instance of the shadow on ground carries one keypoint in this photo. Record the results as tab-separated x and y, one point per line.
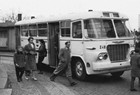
104	78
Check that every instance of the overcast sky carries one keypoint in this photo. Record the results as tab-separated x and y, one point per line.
42	8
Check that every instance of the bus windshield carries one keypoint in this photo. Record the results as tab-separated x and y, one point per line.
103	28
121	28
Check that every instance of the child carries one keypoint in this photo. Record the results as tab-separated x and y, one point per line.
19	61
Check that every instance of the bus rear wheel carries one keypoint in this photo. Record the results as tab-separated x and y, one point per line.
117	74
79	70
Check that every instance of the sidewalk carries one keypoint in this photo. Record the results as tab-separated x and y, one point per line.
4	89
3	81
7	54
29	87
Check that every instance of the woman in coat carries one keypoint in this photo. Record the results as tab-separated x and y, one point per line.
42	54
30	57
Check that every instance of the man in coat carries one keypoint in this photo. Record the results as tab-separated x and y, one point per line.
137	43
64	64
135	68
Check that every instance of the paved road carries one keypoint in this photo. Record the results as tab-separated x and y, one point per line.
94	85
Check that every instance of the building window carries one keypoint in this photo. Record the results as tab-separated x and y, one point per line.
3	38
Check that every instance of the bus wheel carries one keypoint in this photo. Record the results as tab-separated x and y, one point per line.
117	74
79	70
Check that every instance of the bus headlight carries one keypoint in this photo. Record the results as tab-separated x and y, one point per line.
102	56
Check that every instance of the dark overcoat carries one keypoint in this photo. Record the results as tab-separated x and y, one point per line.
135	65
64	62
30	57
42	50
19	59
137	45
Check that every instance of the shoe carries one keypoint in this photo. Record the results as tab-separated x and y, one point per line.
35	79
52	78
18	80
73	83
133	89
26	78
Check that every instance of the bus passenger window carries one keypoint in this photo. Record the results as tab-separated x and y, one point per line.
32	32
24	30
24	33
42	29
42	33
65	32
77	30
65	28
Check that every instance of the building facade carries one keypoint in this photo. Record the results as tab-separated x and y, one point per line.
7	36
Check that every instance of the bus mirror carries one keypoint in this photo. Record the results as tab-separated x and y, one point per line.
85	33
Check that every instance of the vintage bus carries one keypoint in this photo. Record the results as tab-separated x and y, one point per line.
101	42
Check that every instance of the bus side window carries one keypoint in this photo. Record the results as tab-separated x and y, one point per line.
65	32
33	30
88	25
42	30
24	33
65	28
77	30
24	30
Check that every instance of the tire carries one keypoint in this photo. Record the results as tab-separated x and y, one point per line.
79	70
117	74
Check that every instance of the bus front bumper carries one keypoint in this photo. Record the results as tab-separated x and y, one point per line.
110	70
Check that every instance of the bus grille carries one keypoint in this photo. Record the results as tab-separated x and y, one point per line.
117	52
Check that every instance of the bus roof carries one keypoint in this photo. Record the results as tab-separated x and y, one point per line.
72	16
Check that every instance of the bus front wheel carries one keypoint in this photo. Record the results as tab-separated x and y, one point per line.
117	74
79	70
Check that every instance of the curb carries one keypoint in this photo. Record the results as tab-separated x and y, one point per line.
6	54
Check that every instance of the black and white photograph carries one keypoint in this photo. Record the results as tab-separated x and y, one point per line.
69	47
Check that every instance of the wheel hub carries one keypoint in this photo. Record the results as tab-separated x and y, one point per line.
79	69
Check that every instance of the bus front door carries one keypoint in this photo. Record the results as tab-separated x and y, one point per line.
53	43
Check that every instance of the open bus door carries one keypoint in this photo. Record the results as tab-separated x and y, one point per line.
53	43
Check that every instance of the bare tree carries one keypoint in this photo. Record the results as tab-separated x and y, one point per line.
10	17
